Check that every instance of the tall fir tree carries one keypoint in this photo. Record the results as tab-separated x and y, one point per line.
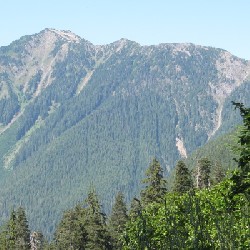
71	232
117	221
22	230
16	233
11	231
97	234
202	175
244	140
241	178
155	188
183	181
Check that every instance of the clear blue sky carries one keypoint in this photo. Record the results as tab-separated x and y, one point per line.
218	23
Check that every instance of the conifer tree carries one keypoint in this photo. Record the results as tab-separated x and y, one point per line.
11	233
241	178
97	235
155	189
183	181
244	139
22	230
71	232
16	233
203	170
135	208
118	220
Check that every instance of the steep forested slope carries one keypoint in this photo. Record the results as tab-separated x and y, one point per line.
221	151
75	114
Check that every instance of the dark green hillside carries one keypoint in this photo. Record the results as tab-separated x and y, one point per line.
220	150
98	115
196	214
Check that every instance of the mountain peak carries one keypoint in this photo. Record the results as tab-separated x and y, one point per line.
72	112
65	34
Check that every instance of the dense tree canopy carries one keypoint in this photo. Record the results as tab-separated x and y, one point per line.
215	215
15	233
155	188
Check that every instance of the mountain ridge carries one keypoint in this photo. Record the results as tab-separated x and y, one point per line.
229	71
76	114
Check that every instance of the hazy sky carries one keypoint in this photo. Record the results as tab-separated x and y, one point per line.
218	23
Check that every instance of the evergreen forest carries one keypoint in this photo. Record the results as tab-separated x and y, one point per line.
75	115
205	208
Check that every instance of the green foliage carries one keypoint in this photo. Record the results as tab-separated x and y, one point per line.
183	181
16	234
214	218
218	174
9	105
11	233
155	188
117	221
71	232
202	175
135	208
137	100
244	139
200	220
22	230
241	178
204	218
220	151
83	227
97	236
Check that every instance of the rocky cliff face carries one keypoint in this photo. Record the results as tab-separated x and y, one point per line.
74	114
